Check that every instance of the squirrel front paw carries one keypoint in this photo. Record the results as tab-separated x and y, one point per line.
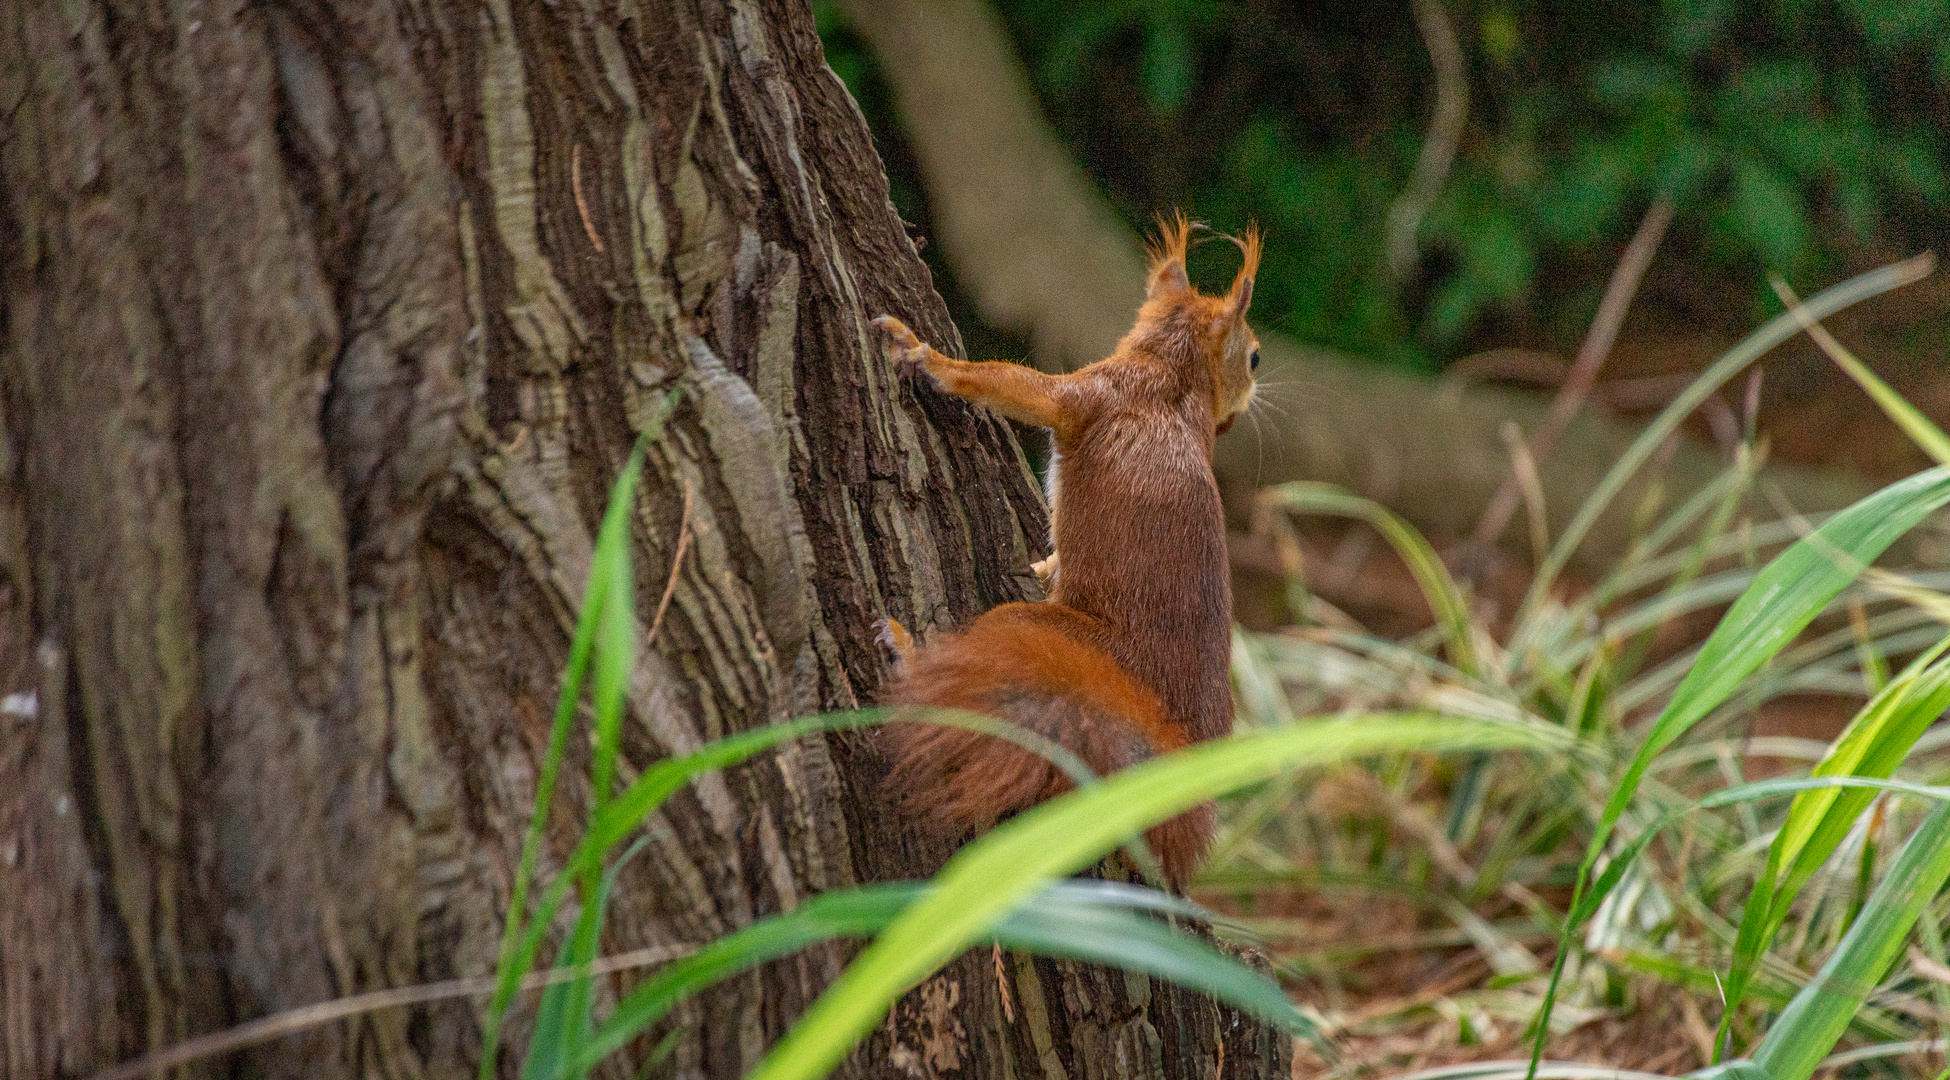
893	637
909	352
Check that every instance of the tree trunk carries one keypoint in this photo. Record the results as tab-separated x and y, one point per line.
328	324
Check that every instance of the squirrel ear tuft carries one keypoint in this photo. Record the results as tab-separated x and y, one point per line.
1167	252
1242	286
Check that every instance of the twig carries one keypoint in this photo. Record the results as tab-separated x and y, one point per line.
292	1021
1597	345
676	564
1924	434
1445	132
1882	1050
1525	468
1002	985
1515	1068
582	207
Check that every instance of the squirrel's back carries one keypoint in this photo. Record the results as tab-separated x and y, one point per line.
1150	559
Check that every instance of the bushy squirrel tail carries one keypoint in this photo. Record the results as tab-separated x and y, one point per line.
1030	665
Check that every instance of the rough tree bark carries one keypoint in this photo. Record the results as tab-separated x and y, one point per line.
327	324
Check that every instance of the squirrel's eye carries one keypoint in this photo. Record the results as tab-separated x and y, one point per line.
1255	360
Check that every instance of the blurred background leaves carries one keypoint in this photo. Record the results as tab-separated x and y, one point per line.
1803	137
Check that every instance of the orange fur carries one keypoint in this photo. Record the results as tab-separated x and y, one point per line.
1129	657
1059	686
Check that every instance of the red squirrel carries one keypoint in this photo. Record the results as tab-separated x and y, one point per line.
1128	658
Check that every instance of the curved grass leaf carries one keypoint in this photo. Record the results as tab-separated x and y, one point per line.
1644	563
851	913
1093	921
1783	599
1808	1028
1445	597
1103	934
1924	434
996	874
623	815
562	1019
614	655
1873	745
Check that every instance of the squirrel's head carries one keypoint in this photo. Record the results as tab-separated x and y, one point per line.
1208	332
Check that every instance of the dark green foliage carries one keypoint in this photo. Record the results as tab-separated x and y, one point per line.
1797	137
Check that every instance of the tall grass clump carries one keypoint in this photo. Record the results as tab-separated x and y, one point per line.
1794	911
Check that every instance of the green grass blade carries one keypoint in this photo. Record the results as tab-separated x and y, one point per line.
654	785
852	913
1117	938
1587	901
1445	597
545	1044
1699	552
999	872
1808	1028
615	645
514	963
1775	331
613	659
1638	565
1873	745
1079	920
1260	699
1783	599
651	788
1700	980
633	806
1924	434
1595	893
562	1020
